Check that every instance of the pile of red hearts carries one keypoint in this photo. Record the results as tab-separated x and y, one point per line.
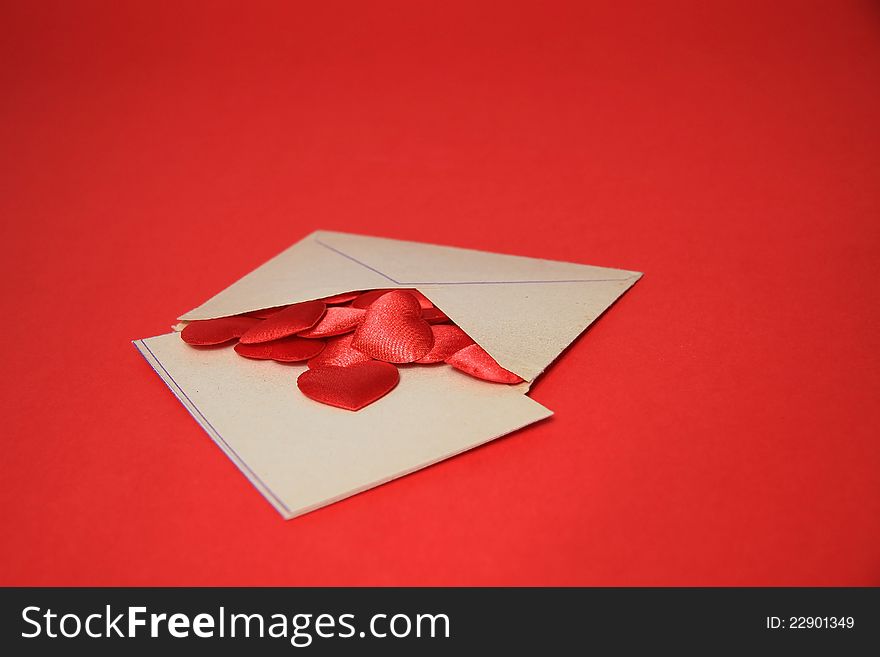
352	343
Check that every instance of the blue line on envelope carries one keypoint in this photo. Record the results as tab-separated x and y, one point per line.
396	282
362	264
216	433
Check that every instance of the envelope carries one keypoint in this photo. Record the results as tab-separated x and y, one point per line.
302	455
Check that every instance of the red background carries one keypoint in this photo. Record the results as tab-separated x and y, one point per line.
719	425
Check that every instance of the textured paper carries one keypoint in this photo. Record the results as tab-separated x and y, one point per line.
301	454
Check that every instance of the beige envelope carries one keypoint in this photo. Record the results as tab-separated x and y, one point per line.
303	455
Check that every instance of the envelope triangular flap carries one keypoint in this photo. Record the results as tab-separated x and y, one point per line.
307	270
523	311
526	326
415	263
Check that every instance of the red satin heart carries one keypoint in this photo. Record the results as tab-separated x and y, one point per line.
351	387
217	331
293	319
390	326
341	298
285	350
476	361
338	352
424	301
265	313
448	339
434	316
335	321
393	330
367	298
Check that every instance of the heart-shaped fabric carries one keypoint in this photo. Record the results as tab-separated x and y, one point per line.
448	339
434	316
350	388
477	362
366	299
291	320
393	330
338	352
217	331
285	350
335	321
264	313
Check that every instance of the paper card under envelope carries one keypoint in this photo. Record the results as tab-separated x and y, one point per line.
303	455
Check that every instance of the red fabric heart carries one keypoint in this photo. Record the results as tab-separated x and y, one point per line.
351	387
341	298
338	352
424	301
367	298
335	321
293	319
448	339
265	313
476	361
217	331
393	330
285	350
390	326
434	316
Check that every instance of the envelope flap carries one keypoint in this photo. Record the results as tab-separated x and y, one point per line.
307	270
523	311
525	326
414	263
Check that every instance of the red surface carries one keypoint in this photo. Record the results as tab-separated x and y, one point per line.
718	426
